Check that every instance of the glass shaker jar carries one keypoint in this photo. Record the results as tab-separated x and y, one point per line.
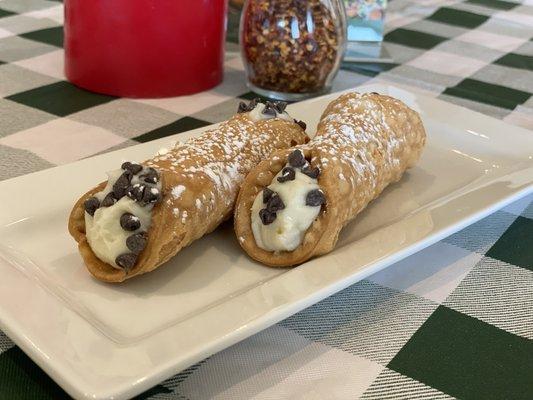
292	49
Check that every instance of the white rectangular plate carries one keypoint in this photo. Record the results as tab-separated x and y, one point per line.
99	340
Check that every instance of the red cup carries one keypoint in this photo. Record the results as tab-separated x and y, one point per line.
145	48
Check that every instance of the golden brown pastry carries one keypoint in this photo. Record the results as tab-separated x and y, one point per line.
293	205
146	213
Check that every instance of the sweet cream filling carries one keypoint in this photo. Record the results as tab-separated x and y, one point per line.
109	227
258	113
104	233
284	229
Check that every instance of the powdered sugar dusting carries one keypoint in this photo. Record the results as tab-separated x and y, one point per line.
348	131
208	170
352	132
177	191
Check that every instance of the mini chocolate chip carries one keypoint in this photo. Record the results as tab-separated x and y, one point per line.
91	205
120	191
109	200
275	203
267	194
277	106
255	101
134	168
311	172
287	174
243	107
315	198
150	176
136	242
136	192
296	159
266	216
126	260
151	195
269	110
129	222
302	124
280	106
122	184
150	179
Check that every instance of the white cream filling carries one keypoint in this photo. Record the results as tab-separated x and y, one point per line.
103	231
257	114
288	229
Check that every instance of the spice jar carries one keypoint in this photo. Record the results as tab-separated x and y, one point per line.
292	49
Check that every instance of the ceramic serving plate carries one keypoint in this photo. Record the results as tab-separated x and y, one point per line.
99	340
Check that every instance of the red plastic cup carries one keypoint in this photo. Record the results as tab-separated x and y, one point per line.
145	48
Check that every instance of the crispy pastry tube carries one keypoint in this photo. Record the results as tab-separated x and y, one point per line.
145	214
293	205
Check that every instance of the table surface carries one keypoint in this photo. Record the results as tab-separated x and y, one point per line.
452	321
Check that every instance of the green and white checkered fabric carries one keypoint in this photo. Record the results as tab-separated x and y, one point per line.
452	321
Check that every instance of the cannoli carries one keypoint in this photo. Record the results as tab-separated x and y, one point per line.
145	213
293	205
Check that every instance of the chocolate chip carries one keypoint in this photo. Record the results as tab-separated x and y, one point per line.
136	242
126	260
255	101
266	216
134	168
151	195
122	184
311	172
277	106
287	174
315	198
129	222
280	106
269	110
136	192
243	107
302	124
120	191
275	203
109	200
91	205
150	176
296	159
150	179
267	194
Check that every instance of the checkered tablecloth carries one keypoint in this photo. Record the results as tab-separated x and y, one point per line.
452	321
